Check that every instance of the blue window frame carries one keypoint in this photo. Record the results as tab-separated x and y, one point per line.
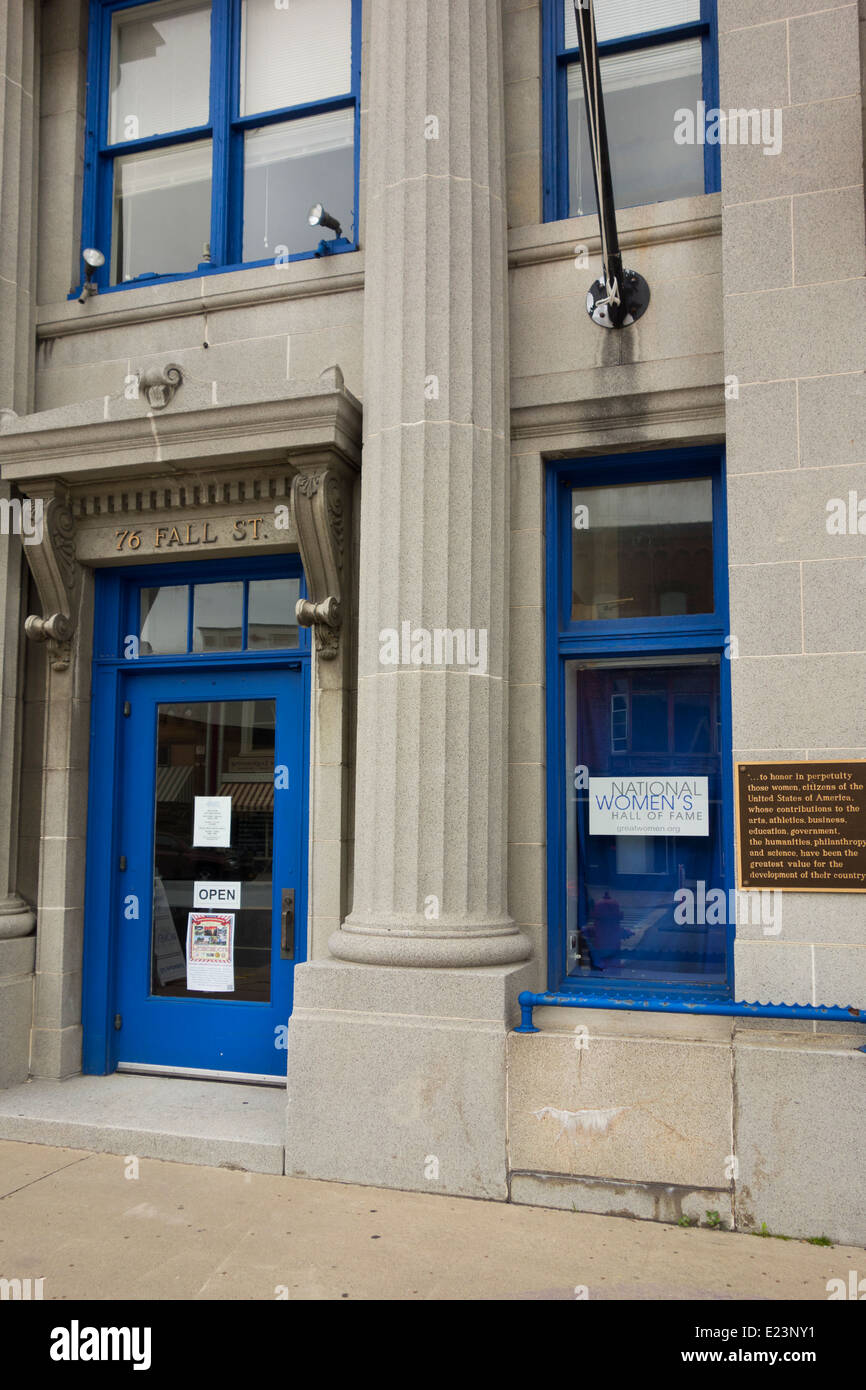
157	613
636	702
657	57
213	126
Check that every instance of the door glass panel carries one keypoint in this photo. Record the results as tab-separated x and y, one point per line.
164	620
224	751
287	168
161	211
645	823
160	69
644	550
271	620
218	615
642	93
294	52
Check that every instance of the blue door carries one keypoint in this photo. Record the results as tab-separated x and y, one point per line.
211	865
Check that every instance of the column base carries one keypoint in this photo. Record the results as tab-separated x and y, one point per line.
17	918
493	945
396	1077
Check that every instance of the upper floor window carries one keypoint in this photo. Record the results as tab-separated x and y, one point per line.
658	58
213	128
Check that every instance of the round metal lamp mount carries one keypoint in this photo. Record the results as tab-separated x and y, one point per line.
634	301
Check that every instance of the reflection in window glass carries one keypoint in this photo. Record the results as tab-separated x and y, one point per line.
271	620
287	168
160	69
294	52
617	19
161	210
224	749
648	736
164	620
217	624
643	550
642	91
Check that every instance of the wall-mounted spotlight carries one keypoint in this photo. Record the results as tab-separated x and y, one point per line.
92	259
318	217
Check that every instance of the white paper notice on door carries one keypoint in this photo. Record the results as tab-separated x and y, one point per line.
212	824
170	964
210	952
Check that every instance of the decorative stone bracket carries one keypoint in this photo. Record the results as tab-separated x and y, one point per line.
321	503
160	385
55	571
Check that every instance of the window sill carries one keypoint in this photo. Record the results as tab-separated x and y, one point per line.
684	219
152	300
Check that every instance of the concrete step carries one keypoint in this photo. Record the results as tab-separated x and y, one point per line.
215	1123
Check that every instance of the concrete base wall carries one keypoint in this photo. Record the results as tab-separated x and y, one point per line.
662	1118
17	962
800	1116
397	1076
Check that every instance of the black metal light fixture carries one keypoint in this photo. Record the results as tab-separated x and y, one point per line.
92	259
620	296
318	217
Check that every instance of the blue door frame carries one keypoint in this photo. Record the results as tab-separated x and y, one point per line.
214	1033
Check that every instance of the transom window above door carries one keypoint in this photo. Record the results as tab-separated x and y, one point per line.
207	611
214	126
658	58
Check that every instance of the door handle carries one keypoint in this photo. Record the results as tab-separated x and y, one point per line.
287	924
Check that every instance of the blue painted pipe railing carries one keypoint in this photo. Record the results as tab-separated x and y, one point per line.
833	1013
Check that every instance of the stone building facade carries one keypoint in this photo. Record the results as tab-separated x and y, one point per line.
392	412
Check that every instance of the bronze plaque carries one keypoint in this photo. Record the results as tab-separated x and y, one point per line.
802	826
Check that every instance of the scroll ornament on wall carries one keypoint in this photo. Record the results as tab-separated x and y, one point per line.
56	574
159	386
320	505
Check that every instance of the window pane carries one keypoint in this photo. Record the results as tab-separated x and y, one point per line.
217	617
644	822
617	19
160	69
297	52
642	92
161	210
164	618
642	551
287	168
271	620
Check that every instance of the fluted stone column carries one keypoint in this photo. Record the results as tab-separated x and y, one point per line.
430	862
17	226
396	1058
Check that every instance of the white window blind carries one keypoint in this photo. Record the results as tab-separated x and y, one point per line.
295	54
160	69
616	19
623	71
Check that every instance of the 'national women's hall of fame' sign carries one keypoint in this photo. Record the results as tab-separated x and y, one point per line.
648	806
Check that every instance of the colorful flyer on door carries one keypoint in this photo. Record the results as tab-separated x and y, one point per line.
212	824
210	952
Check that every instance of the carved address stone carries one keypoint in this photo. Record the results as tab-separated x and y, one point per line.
320	502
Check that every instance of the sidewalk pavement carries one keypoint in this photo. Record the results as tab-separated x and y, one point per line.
92	1230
